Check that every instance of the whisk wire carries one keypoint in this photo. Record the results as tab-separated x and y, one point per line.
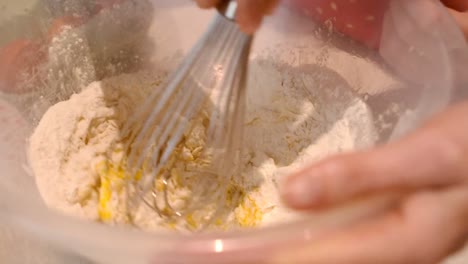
213	72
180	119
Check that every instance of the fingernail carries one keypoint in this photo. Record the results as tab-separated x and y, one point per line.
301	192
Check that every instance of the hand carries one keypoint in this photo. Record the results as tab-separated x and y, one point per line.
430	167
365	17
249	13
459	10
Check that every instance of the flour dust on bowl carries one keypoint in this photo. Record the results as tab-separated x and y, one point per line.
73	72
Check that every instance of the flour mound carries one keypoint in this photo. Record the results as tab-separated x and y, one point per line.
295	115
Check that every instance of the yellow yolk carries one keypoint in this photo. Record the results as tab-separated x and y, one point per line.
248	214
113	179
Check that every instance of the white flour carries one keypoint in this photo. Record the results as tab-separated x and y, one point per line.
288	123
295	115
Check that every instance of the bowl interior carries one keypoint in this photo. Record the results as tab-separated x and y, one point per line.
327	67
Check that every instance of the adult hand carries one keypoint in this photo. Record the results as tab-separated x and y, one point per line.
249	13
429	166
459	10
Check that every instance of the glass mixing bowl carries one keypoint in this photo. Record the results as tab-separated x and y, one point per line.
400	57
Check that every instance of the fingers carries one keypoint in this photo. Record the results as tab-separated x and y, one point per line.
269	6
250	13
436	155
459	10
207	3
462	20
425	229
459	5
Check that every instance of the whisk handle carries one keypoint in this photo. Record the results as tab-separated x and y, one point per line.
228	9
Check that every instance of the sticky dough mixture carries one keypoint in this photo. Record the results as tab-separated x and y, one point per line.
288	123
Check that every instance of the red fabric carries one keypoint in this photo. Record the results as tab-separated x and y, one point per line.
361	20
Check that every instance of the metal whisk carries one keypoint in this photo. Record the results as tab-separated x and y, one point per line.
214	73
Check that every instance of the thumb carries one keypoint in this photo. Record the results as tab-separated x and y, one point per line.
431	157
462	20
250	13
